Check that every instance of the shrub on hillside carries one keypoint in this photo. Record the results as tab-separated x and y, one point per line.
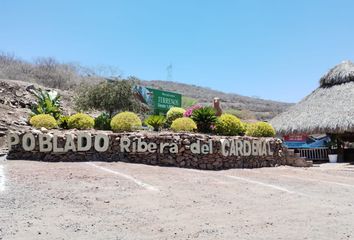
103	122
260	129
173	114
183	124
204	118
81	121
125	121
229	125
43	120
155	121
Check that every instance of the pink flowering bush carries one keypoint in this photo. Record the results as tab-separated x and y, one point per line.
189	111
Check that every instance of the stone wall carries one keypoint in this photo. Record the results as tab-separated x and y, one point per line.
183	157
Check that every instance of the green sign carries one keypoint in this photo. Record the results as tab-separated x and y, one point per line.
162	101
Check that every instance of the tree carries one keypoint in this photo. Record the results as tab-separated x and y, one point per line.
109	96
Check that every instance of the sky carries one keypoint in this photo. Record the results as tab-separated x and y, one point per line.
272	49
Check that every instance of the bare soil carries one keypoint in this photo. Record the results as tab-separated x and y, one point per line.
40	200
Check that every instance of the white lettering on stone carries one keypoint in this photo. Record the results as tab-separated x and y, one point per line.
173	148
84	141
124	144
101	142
152	147
264	148
195	147
28	142
254	147
69	143
45	142
210	146
205	149
259	147
232	148
162	146
56	149
142	146
270	151
224	143
239	147
247	148
12	139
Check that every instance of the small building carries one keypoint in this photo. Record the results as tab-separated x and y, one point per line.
329	109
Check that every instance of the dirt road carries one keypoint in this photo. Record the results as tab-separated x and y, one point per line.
99	200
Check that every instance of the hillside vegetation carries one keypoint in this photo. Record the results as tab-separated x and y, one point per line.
51	73
242	106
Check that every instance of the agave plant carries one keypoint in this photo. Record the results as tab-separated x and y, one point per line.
205	118
48	102
155	121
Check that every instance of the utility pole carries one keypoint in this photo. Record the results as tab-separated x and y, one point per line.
169	69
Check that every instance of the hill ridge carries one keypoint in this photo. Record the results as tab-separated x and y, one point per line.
263	109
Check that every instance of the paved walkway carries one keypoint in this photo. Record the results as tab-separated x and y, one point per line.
100	200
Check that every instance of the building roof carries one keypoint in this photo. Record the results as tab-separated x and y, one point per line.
328	109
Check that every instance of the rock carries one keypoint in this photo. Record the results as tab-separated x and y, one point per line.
44	130
29	88
18	93
22	104
35	131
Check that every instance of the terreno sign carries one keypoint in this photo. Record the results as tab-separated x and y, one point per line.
100	142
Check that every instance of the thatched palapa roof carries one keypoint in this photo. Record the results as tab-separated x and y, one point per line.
328	109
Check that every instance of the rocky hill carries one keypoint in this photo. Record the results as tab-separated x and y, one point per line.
66	76
15	104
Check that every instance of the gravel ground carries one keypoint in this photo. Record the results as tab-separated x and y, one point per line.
100	200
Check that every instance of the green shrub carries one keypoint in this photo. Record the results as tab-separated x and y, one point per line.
43	120
229	125
125	121
245	126
173	114
183	124
63	122
155	121
260	129
81	121
204	118
103	122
